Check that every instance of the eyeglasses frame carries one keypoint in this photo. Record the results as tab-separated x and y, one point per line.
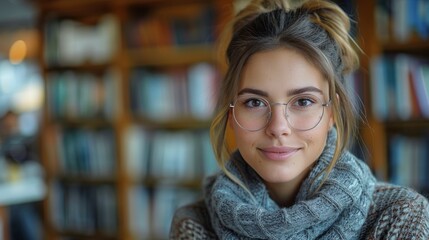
327	104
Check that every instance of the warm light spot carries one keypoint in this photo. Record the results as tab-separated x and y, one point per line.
17	52
29	98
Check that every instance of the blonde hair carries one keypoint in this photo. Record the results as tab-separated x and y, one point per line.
317	29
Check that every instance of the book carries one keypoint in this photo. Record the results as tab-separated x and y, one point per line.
210	165
87	209
174	156
72	43
166	200
421	89
408	161
168	94
139	212
402	87
82	95
172	27
379	88
82	152
203	79
137	142
398	21
400	90
401	20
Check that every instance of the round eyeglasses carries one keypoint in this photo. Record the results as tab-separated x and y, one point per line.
302	112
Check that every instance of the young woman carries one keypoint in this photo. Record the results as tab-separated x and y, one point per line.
291	176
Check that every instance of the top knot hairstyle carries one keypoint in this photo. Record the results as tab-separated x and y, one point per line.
317	29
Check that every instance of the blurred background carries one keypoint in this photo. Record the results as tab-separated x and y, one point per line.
105	108
21	92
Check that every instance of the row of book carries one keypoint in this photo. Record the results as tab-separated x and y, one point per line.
400	89
161	154
151	212
83	152
69	42
181	25
409	161
85	209
174	93
399	20
169	155
82	95
92	210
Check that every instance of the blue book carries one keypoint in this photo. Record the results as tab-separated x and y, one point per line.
379	88
391	85
402	87
395	144
419	17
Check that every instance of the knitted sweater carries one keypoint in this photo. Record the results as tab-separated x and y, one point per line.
395	213
336	210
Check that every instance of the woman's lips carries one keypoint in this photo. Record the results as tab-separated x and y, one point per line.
278	153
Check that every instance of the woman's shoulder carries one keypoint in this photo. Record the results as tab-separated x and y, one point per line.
192	221
397	212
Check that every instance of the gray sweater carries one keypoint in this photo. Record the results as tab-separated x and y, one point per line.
336	210
388	211
395	213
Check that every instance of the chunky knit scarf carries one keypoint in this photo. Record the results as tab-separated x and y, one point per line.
337	210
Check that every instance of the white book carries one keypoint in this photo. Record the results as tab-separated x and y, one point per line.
137	149
72	37
104	39
202	90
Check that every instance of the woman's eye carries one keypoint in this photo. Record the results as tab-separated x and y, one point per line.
254	102
304	102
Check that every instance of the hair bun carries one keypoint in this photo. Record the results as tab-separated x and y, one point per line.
336	23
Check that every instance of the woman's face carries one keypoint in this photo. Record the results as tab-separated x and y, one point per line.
278	153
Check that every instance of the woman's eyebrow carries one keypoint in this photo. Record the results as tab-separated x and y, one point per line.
291	92
297	91
252	91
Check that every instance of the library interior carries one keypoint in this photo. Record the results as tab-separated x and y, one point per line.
106	106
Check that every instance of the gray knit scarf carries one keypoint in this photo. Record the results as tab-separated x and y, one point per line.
336	211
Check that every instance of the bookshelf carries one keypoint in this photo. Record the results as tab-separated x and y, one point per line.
394	37
130	87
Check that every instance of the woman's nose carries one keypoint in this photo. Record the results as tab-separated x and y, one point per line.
278	124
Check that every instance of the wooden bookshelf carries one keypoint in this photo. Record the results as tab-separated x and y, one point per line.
68	135
381	134
127	59
171	56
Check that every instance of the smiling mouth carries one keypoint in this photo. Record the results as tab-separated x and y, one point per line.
279	154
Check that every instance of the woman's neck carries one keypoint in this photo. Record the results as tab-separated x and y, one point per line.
284	193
